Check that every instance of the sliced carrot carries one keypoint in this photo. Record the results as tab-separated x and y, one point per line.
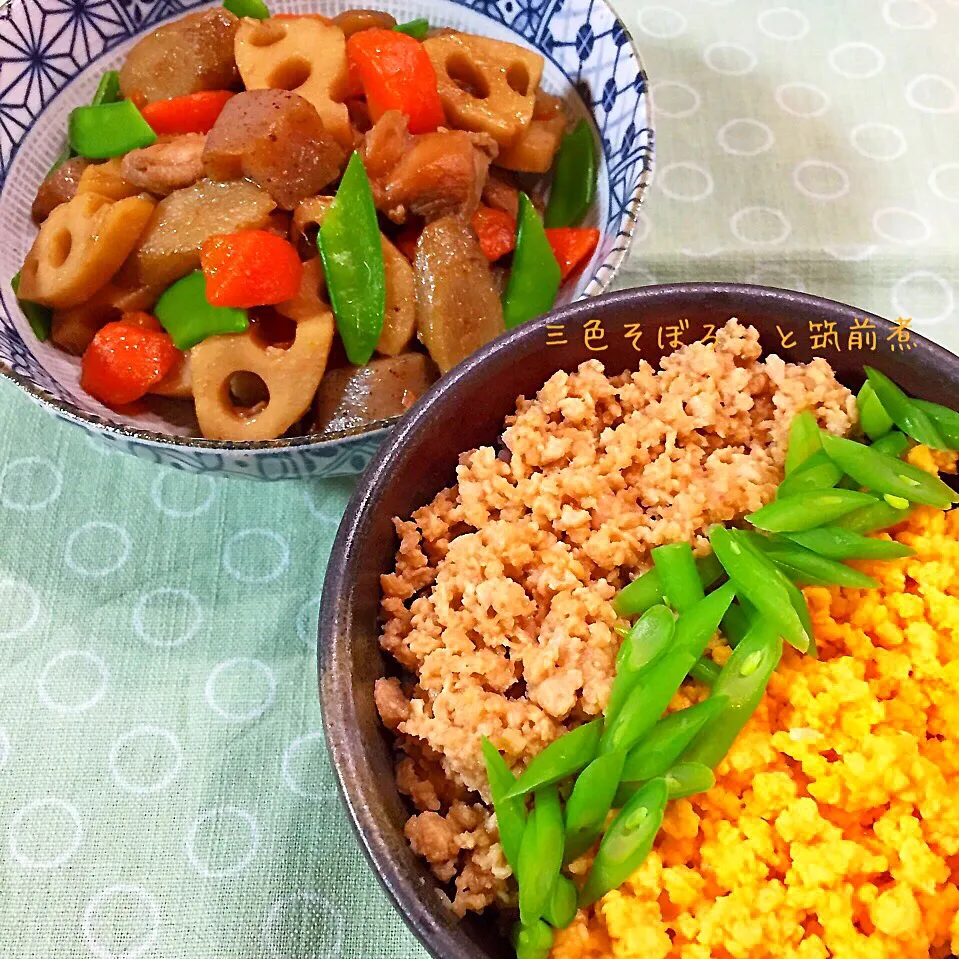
496	230
572	246
193	113
250	268
124	360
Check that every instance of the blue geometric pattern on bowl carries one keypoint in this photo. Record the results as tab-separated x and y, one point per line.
52	53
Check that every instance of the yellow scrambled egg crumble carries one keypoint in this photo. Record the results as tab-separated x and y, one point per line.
833	828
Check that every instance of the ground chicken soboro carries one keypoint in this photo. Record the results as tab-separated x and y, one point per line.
499	607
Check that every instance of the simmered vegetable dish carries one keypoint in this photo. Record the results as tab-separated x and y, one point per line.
298	222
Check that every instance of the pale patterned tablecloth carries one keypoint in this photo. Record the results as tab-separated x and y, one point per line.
164	788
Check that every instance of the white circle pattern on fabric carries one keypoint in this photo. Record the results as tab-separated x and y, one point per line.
20	608
158	494
948	190
140	737
820	180
783	23
850	252
745	137
306	917
643	227
153	634
919	288
238	566
98	561
108	910
65	674
931	93
307	621
661	23
37	825
211	831
878	141
760	226
686	181
729	59
897	225
857	60
802	99
909	14
24	489
305	751
245	667
675	99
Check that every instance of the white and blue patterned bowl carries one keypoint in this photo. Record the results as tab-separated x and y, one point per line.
52	53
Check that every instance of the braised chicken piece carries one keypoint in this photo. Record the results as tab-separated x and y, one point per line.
171	163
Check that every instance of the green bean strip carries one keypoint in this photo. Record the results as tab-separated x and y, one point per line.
803	440
790	514
563	757
872	518
510	813
909	417
816	473
687	779
627	842
893	443
647	590
590	802
682	586
834	542
814	570
705	671
945	420
756	580
873	418
886	474
562	905
644	644
657	684
743	683
534	941
657	752
736	622
540	855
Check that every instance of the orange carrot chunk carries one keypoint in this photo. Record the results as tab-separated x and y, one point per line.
193	113
496	230
250	268
572	246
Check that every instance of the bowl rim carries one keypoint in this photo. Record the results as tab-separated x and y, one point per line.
338	706
605	273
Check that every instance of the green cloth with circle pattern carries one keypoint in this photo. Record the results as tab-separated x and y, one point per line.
164	787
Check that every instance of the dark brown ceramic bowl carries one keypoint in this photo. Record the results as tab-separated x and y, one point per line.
467	410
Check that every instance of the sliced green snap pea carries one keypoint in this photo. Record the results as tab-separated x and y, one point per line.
108	89
909	417
590	802
535	275
533	941
705	671
627	842
945	419
417	29
247	8
799	605
886	474
562	905
39	317
736	622
540	855
574	178
873	418
790	514
647	590
878	515
649	638
757	580
656	686
893	443
510	813
108	130
563	757
657	752
834	542
803	440
816	473
687	779
682	586
742	683
188	316
804	566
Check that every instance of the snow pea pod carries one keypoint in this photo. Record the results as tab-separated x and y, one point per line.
873	418
533	941
757	580
574	178
893	443
687	779
39	317
790	514
647	590
644	644
909	417
803	440
417	29
561	908
510	813
878	515
563	757
886	474
682	586
742	683
535	276
540	855
590	802
945	419
185	313
108	89
248	8
817	472
657	684
352	251
627	842
108	130
807	567
834	542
